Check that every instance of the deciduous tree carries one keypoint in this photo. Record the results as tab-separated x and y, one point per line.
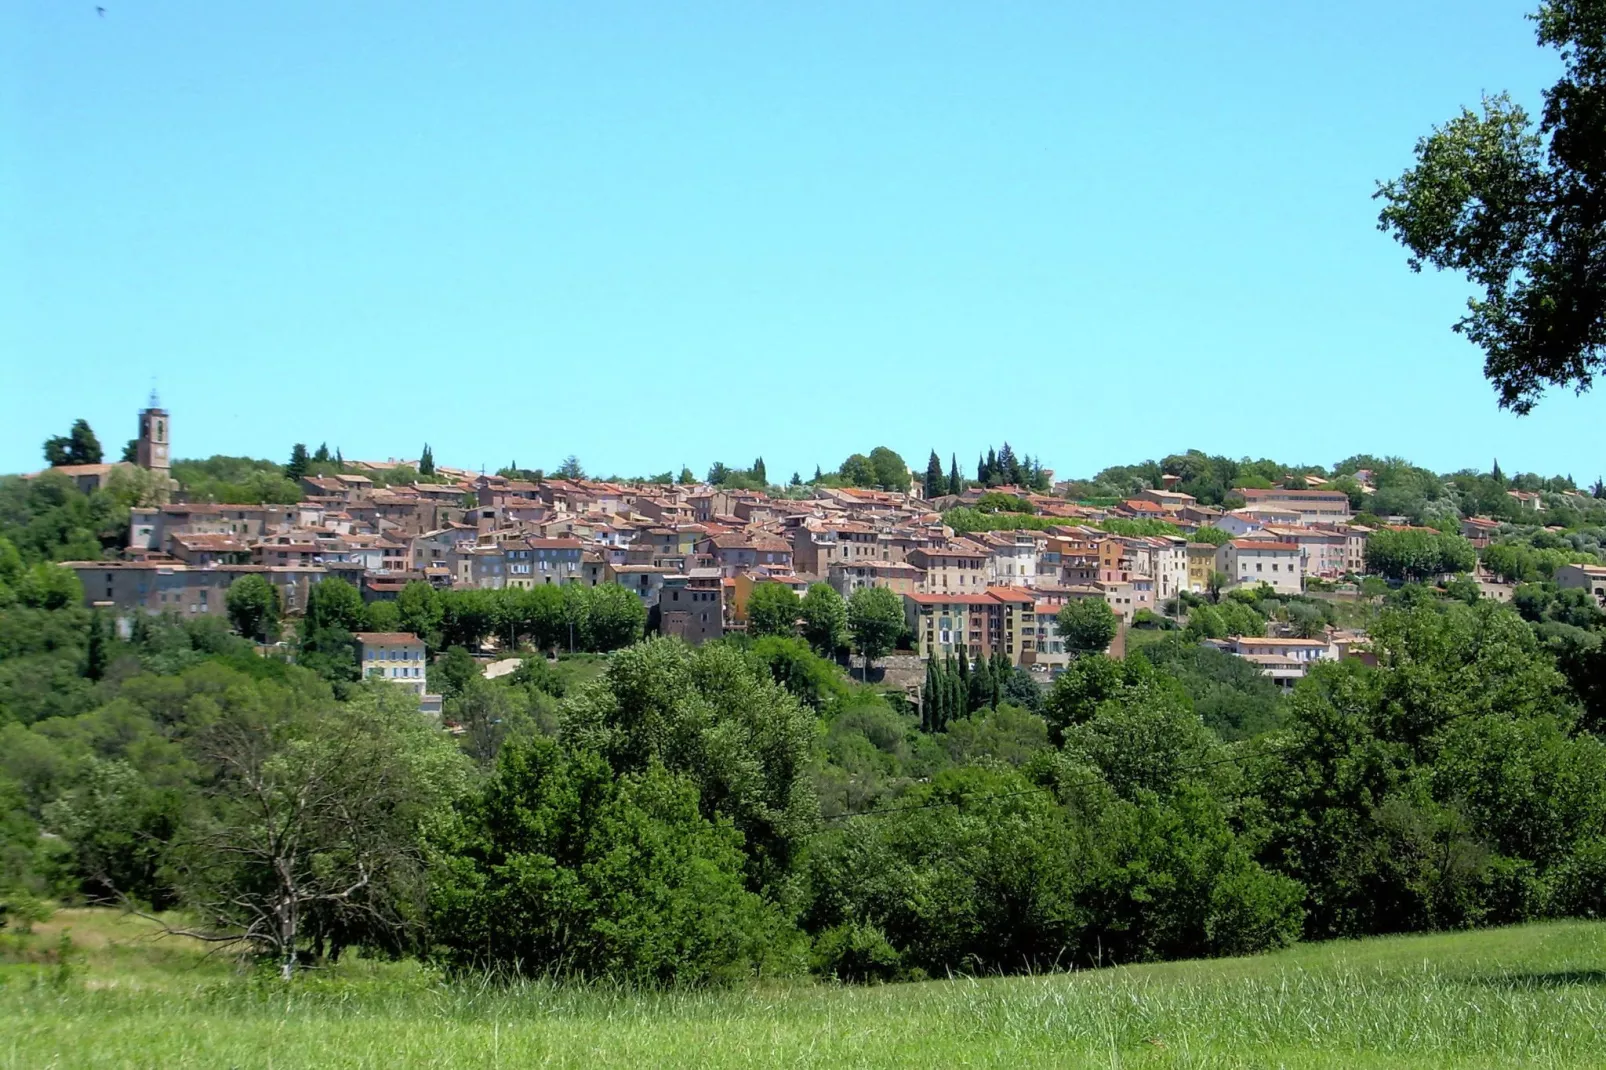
825	619
253	607
875	620
772	609
1087	625
1515	206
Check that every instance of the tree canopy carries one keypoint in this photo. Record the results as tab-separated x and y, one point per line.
1514	205
772	609
1087	625
875	620
77	446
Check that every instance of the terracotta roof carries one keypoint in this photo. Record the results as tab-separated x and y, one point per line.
1250	494
205	541
1262	640
1265	544
375	638
79	469
952	599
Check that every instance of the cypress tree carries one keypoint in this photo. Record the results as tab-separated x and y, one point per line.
963	676
758	471
817	474
956	485
981	469
1001	670
935	482
981	684
96	654
928	696
953	705
992	479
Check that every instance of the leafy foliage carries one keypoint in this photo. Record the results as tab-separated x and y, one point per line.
77	446
1512	206
772	609
875	621
1087	625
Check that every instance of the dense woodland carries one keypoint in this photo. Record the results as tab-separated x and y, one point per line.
657	814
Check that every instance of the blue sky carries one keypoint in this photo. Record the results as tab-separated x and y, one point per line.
653	234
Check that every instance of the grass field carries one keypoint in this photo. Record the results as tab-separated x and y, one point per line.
1533	996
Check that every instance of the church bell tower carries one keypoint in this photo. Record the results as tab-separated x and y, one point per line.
152	449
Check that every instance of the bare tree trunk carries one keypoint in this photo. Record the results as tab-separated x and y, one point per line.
287	937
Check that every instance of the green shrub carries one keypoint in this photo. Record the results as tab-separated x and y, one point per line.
855	953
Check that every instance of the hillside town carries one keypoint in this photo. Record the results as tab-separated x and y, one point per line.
692	553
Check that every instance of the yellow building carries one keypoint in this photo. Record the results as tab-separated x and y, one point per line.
1201	562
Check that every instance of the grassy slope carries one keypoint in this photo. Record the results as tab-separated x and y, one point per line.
1529	996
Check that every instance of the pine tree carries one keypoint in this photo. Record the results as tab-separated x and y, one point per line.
758	471
298	462
1008	466
935	481
797	480
956	485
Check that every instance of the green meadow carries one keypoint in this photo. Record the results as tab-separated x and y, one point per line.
123	995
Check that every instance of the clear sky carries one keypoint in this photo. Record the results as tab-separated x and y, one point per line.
652	234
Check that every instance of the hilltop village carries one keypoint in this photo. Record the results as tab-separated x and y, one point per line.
693	553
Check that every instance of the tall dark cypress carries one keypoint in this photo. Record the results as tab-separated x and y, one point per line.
96	654
935	483
963	675
953	705
1001	671
956	485
981	684
928	696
